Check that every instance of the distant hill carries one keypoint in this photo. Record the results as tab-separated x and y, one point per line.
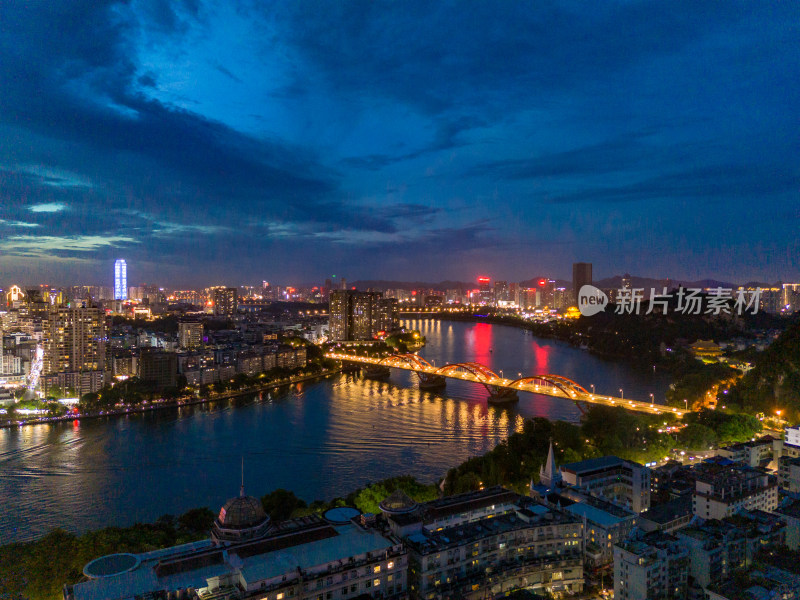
648	282
614	282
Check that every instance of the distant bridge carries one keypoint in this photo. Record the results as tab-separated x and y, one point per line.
500	389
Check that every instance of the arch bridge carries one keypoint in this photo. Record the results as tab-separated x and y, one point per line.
501	389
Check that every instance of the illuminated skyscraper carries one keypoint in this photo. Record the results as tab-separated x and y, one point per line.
120	280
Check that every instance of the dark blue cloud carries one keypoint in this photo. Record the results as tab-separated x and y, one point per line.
398	140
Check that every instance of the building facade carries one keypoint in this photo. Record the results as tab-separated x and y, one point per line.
721	490
225	300
74	341
358	315
487	543
621	482
581	275
653	566
190	335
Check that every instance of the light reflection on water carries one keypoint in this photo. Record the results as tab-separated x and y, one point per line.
319	440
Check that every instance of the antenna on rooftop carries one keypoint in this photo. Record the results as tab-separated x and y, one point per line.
241	490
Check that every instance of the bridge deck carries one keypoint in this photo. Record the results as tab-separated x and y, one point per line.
496	381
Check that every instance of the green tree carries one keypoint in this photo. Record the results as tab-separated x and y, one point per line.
281	504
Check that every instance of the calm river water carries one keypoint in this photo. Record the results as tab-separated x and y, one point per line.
320	439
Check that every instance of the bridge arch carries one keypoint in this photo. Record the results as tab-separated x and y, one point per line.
412	360
481	372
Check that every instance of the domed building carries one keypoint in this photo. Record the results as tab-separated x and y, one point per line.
241	518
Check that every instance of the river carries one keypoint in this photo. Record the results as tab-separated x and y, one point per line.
319	439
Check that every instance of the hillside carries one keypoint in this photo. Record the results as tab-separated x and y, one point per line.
774	382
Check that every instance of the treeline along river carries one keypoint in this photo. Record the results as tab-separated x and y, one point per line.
319	439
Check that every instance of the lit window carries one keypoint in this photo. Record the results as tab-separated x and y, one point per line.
280	596
390	565
377	569
376	582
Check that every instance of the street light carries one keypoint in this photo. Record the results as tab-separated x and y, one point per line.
592	386
651	399
621	395
686	403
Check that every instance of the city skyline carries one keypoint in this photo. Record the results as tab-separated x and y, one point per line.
202	141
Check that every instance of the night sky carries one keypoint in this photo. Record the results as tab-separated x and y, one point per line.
210	143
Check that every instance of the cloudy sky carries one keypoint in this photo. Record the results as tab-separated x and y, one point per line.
214	142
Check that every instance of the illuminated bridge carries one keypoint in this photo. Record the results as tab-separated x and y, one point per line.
500	388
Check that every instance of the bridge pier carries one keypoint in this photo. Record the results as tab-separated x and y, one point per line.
376	372
499	395
431	382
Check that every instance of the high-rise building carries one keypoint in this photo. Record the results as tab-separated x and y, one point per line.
501	295
360	315
158	368
190	335
75	343
225	301
486	295
791	296
120	279
581	275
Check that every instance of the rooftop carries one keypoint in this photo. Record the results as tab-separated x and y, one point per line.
295	544
669	511
427	542
594	464
601	515
790	510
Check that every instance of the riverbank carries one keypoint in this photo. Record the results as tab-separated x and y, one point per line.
177	403
540	330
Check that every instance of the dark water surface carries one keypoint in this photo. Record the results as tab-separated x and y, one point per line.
318	439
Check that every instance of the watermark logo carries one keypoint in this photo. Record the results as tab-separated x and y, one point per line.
591	300
691	301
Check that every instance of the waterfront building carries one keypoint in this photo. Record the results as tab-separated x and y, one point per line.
654	566
485	292
492	541
358	315
74	342
724	487
581	275
190	335
502	295
158	368
120	279
225	301
611	478
341	556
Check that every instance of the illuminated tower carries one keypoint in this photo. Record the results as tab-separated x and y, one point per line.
120	280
